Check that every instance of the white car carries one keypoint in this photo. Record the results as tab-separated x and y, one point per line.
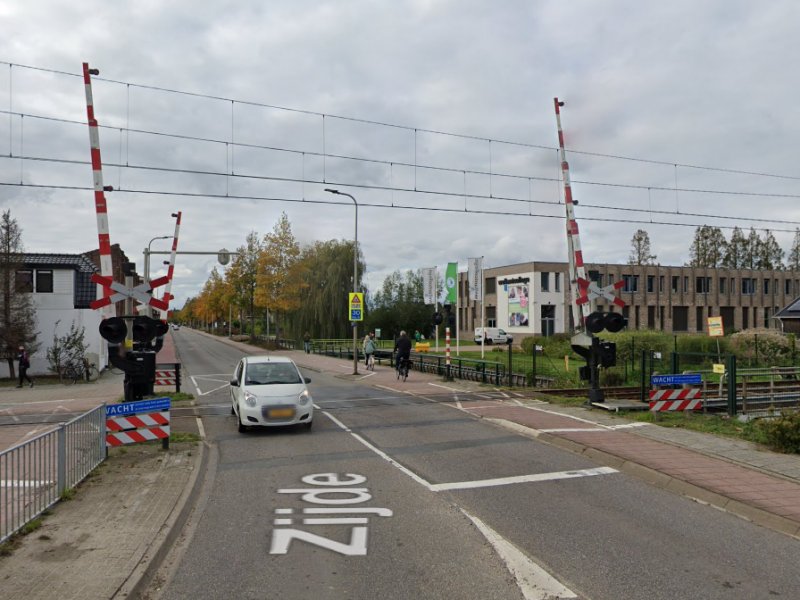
270	390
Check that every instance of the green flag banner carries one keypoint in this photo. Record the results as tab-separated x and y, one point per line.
450	282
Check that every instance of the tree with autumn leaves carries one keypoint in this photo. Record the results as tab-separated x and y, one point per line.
272	279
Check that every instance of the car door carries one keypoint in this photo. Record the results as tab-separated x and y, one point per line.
236	390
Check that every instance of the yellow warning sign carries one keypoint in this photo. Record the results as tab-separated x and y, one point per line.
356	309
718	368
715	327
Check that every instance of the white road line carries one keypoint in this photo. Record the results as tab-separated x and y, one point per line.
379	452
536	477
444	387
199	393
573	430
201	428
367	375
533	581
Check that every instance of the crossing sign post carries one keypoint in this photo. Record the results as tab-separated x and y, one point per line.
356	306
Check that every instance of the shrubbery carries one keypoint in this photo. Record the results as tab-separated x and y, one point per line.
782	434
763	345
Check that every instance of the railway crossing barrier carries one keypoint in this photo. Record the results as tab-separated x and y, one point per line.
676	399
141	421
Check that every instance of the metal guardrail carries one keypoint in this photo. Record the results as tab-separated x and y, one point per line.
35	474
460	368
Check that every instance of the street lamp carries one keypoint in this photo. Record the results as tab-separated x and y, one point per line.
355	277
147	256
147	263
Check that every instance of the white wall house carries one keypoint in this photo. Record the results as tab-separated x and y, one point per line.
61	289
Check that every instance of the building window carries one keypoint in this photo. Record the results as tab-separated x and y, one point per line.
596	277
630	283
651	283
766	317
723	282
787	287
557	281
702	285
491	285
766	286
44	282
661	283
685	284
748	286
699	318
675	280
23	282
545	281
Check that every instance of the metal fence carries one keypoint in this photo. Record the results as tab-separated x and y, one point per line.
35	474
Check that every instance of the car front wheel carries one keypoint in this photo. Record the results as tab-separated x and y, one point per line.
242	427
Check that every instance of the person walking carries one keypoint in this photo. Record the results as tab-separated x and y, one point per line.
369	351
24	365
307	342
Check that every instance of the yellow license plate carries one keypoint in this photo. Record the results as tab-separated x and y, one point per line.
280	413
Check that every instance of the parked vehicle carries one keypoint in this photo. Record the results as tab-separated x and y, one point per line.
268	391
493	335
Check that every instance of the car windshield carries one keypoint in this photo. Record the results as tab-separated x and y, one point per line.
271	373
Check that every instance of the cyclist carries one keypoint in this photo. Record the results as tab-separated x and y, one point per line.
402	349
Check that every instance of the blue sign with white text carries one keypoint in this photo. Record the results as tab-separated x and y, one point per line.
134	408
686	378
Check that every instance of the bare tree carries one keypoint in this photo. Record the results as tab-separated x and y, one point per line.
640	249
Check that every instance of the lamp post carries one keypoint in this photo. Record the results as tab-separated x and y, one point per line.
147	262
355	277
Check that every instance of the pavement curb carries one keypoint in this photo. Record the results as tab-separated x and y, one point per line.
157	550
662	481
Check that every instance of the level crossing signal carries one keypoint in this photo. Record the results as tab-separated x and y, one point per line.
609	321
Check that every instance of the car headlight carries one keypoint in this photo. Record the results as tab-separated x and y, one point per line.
250	399
304	398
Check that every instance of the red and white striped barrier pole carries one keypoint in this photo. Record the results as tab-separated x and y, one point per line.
447	351
101	208
171	269
577	271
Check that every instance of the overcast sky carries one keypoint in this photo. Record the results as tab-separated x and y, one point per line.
676	113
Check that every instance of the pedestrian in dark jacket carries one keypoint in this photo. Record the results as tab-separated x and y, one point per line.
24	364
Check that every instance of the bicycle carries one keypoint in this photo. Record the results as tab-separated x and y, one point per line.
371	362
402	368
80	371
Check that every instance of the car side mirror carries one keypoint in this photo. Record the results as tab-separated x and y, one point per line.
307	379
234	383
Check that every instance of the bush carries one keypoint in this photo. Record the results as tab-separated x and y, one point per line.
782	434
765	345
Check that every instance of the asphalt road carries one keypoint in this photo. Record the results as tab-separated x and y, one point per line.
398	496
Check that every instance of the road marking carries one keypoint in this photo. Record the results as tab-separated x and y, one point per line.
468	485
199	393
533	581
202	431
367	375
573	430
379	452
444	387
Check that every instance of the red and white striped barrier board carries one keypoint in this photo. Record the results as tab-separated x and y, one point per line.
165	378
686	399
141	421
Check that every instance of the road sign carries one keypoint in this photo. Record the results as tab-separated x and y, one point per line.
356	306
685	378
132	408
715	327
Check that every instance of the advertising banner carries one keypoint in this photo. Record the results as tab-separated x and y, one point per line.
475	277
518	305
429	285
450	282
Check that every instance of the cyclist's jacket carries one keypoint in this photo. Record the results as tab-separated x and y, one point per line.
369	346
403	347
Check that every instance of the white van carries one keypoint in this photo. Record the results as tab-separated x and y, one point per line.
494	335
